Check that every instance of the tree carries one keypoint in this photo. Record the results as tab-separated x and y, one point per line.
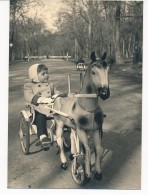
83	26
118	56
18	11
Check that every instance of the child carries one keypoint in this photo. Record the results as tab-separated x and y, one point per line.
39	92
80	60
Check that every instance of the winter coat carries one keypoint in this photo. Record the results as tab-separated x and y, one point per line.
34	90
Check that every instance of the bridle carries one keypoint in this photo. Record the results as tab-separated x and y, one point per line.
93	95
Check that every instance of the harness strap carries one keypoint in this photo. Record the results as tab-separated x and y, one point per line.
59	112
93	95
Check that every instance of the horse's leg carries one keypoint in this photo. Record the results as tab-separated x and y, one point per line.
59	136
84	140
98	152
73	144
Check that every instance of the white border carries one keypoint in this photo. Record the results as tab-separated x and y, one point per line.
144	101
4	43
4	58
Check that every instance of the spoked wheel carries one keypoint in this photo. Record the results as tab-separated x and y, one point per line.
66	138
78	171
24	134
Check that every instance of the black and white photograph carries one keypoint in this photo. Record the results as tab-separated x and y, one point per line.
75	95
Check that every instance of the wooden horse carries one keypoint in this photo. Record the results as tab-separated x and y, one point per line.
86	114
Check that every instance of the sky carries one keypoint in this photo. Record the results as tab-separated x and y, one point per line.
48	12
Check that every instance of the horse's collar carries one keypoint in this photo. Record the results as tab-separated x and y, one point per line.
93	95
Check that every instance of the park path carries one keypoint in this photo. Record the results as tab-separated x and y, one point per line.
122	134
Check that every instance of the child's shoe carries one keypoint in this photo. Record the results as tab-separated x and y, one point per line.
45	141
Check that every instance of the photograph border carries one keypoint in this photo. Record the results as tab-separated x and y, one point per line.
4	98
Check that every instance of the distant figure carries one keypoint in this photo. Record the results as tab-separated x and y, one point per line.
93	57
80	60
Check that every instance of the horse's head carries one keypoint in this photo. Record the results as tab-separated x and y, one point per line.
99	75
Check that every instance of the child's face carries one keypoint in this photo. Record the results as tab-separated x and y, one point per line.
43	76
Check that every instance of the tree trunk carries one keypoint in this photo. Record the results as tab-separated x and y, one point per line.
118	56
76	48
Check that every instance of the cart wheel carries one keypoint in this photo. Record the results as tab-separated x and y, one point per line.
24	134
78	171
66	139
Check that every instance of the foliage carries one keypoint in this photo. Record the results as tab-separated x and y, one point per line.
83	26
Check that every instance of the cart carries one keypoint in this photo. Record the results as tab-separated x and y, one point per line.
29	140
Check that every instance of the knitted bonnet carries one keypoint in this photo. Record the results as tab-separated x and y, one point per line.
33	72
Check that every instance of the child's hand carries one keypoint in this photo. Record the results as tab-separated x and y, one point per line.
43	100
47	101
55	96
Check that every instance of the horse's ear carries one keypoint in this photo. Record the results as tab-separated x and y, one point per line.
93	56
104	56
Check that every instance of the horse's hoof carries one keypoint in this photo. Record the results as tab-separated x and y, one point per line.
71	157
64	166
87	179
98	176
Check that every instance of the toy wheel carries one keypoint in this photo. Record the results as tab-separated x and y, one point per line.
78	171
66	139
24	134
